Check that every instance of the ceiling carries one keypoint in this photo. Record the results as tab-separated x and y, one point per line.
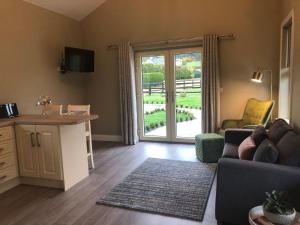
76	9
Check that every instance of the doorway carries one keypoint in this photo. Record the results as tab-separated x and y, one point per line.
169	94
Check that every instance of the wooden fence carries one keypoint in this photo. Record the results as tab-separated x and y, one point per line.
181	85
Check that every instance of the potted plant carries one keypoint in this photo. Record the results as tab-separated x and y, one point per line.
277	209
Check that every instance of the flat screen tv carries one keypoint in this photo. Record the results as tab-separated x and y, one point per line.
79	60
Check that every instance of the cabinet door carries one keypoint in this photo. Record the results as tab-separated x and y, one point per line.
48	144
27	151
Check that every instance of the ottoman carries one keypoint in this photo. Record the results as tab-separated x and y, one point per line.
209	147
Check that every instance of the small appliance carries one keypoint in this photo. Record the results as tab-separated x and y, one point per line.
8	110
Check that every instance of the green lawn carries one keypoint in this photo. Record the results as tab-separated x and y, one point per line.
154	118
190	100
160	117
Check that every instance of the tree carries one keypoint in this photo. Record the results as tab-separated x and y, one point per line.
183	73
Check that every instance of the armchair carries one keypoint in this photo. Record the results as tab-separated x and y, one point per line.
256	113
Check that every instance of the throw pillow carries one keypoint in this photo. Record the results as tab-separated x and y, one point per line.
278	129
266	152
247	149
259	134
289	149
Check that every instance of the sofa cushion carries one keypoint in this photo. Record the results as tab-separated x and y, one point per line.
289	149
259	135
278	129
247	149
266	152
256	111
230	151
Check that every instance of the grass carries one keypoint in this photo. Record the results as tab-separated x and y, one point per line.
190	100
158	119
154	118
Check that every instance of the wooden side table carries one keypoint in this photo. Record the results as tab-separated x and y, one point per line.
257	212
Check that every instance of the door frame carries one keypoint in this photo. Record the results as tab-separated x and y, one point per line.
173	124
139	95
170	88
290	17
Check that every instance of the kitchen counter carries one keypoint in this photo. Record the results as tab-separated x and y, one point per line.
6	122
52	150
48	120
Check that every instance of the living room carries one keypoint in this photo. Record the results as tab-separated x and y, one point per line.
163	77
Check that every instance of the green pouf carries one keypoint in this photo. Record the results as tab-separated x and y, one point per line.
209	147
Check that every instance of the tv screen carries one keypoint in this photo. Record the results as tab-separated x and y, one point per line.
79	60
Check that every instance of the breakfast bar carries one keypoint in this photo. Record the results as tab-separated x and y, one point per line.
48	151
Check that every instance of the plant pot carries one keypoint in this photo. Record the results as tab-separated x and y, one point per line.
280	219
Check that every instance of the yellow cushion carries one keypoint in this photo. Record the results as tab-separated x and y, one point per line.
256	111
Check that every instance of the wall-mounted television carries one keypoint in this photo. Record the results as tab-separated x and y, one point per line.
79	60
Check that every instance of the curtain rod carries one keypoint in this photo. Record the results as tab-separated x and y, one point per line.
223	37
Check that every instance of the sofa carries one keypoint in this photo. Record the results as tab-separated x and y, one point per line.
241	184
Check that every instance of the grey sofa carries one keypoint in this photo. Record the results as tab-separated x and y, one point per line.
241	185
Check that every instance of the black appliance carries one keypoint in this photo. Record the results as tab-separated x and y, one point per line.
79	60
9	110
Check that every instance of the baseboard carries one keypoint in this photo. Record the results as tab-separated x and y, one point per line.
42	182
102	137
9	185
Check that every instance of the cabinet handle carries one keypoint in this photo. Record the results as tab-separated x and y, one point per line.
37	139
2	164
3	177
32	140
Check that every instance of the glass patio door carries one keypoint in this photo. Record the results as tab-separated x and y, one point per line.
169	94
186	73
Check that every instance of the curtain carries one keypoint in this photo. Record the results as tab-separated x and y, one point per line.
127	94
210	85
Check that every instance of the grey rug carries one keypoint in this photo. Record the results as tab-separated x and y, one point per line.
168	187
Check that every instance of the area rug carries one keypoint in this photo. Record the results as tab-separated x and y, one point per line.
167	187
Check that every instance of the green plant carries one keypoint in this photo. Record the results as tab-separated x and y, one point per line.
183	73
147	128
277	203
183	94
153	78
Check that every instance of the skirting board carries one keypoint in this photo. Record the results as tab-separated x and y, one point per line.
9	185
102	137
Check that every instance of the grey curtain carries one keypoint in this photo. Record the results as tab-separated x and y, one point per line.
127	94
210	84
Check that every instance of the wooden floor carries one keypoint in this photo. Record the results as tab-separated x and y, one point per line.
42	206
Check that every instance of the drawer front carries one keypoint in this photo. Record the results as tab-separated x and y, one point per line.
7	161
8	174
6	133
6	147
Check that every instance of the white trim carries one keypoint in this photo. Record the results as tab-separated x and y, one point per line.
290	17
103	137
170	88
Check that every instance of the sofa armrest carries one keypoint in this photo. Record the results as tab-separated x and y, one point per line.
241	185
237	136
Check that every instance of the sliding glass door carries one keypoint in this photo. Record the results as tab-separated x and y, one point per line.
169	94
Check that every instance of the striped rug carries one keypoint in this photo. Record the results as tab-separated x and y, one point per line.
167	187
